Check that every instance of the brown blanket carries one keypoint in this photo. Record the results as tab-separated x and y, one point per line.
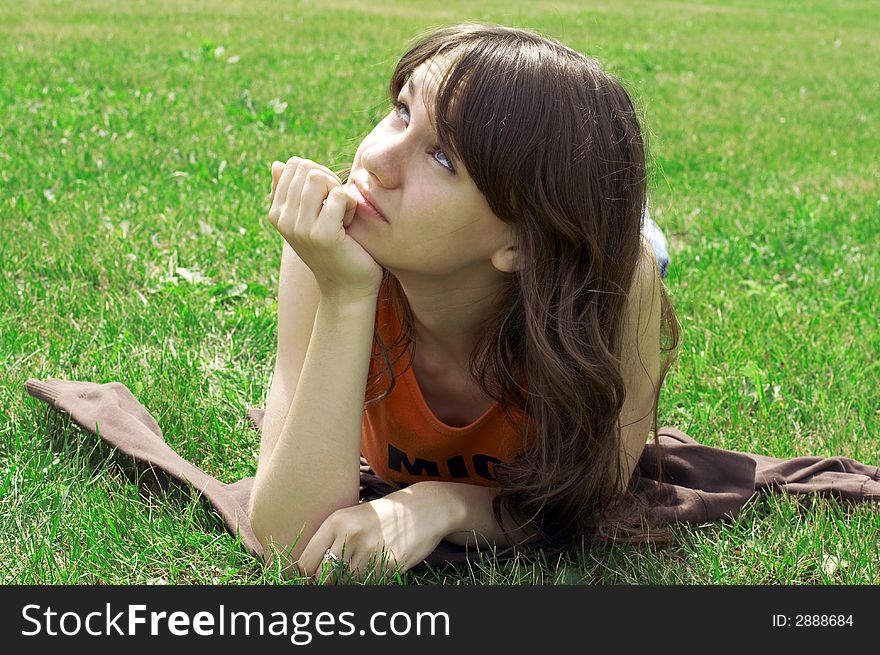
700	483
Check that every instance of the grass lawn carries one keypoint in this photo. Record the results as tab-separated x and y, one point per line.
134	156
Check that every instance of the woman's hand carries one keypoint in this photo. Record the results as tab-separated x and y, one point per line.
312	210
396	531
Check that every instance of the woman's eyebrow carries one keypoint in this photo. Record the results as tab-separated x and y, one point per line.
411	89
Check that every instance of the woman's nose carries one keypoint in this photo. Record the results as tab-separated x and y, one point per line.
382	159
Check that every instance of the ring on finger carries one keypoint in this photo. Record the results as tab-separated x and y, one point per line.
330	556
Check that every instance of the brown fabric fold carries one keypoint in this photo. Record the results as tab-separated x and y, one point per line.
700	483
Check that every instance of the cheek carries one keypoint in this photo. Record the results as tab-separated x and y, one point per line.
428	208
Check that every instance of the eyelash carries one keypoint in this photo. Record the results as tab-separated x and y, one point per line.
398	106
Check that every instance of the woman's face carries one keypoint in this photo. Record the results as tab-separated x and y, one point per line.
438	222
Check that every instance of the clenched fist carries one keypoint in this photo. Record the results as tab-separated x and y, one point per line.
312	210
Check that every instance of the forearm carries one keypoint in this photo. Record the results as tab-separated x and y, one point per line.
298	298
471	518
313	468
278	402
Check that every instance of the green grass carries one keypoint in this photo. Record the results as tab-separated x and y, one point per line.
134	159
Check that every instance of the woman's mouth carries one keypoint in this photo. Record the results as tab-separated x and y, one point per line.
365	205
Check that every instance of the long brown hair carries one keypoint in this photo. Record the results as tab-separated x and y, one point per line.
555	146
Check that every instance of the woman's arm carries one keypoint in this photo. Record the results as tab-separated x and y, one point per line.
314	467
468	508
298	298
640	363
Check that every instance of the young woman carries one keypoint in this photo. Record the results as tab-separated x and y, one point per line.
473	308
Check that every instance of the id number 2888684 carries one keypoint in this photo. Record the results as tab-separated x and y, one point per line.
812	621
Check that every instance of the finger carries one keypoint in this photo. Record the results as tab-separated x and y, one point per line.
316	188
287	173
277	169
280	197
311	559
339	203
294	191
333	572
382	564
296	185
329	172
351	205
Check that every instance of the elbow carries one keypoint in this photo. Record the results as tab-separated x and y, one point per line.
280	546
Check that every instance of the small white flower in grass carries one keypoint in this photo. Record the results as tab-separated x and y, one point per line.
234	59
205	228
219	51
277	105
49	194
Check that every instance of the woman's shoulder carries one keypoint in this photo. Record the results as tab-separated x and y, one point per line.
647	267
643	301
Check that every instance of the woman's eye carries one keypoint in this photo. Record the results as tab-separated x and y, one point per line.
441	157
402	112
401	109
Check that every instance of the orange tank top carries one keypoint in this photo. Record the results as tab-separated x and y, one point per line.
404	442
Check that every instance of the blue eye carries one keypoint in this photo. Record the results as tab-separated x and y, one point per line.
445	163
400	109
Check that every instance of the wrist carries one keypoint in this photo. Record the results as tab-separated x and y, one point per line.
449	506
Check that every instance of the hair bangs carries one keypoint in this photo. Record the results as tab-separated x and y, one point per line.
496	108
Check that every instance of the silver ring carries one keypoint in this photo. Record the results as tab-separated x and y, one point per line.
330	556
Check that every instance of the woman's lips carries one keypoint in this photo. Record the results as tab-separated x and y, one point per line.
366	204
